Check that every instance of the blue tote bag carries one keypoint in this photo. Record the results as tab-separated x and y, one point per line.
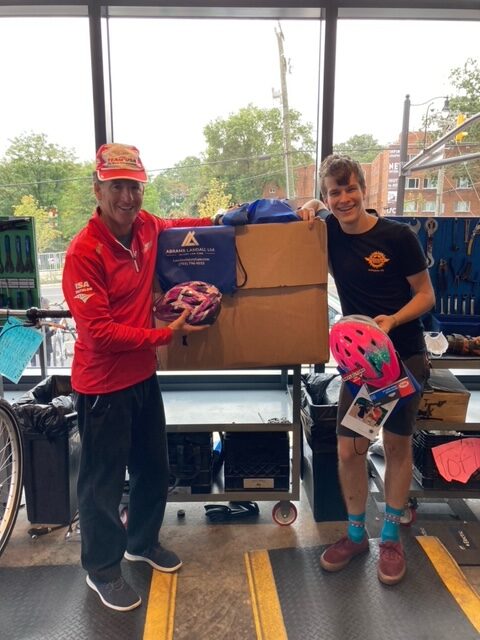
197	253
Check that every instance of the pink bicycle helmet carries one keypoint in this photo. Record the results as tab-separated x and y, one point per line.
201	298
358	344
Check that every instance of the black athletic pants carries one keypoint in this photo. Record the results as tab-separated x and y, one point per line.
119	430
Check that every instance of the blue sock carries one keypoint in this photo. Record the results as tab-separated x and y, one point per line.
356	527
391	524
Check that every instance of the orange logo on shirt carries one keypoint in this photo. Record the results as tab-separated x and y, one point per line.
377	260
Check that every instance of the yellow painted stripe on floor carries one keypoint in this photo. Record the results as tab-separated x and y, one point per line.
267	613
453	578
159	621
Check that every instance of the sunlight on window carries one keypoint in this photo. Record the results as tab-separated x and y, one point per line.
217	109
371	87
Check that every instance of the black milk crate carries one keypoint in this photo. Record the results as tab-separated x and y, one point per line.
425	470
190	457
257	460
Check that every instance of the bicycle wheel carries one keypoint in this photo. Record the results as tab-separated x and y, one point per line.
11	472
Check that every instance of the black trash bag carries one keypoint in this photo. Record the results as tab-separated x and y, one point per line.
324	388
319	402
38	413
46	390
44	419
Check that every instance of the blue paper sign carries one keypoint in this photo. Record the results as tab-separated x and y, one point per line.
18	345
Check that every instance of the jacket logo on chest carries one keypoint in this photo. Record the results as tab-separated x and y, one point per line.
377	260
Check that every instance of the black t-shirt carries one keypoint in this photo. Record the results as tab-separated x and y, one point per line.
370	271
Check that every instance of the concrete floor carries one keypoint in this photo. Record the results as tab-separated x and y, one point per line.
212	596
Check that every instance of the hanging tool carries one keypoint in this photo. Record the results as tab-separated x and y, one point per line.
471	240
9	267
20	268
454	246
464	273
442	275
431	225
449	305
28	255
442	309
466	232
442	281
416	225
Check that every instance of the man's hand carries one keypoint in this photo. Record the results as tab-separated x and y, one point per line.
386	323
217	218
181	324
309	211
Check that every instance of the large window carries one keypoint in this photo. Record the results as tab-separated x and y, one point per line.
47	94
47	143
379	62
223	111
229	104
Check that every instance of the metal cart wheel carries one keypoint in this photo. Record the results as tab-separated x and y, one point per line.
409	513
284	513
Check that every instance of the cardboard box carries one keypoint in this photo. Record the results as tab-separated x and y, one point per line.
446	401
279	317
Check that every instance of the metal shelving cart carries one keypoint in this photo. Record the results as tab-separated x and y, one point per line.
284	512
377	463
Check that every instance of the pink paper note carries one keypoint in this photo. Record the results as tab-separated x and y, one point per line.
457	460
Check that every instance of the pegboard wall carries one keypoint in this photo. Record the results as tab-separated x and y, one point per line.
452	248
19	282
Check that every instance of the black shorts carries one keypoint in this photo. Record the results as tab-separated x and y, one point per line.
402	421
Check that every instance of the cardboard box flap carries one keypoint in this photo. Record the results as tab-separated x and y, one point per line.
281	255
444	380
445	398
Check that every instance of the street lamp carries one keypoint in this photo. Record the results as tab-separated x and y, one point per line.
446	107
404	143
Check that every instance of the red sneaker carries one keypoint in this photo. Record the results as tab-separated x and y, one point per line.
391	565
338	555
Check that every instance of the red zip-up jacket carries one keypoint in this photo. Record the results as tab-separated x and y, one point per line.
108	289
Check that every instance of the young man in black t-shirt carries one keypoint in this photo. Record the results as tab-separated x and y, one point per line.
380	271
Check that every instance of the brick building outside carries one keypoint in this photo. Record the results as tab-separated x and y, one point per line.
453	190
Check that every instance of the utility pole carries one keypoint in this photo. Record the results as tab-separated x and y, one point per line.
287	141
403	156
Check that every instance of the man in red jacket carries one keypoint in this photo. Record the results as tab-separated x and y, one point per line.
108	283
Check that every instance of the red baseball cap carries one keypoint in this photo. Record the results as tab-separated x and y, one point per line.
120	162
